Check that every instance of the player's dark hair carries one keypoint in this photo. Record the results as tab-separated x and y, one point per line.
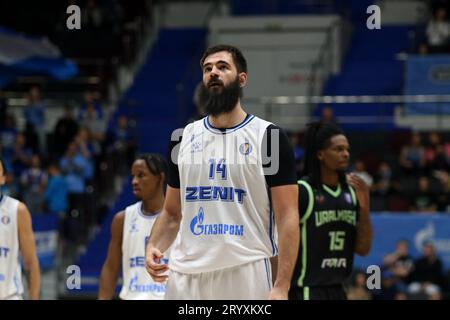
318	137
238	57
156	164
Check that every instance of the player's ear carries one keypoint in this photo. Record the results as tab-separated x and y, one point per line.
162	176
242	79
320	155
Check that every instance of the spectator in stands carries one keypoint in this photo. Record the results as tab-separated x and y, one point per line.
327	115
121	144
428	277
438	32
86	146
92	15
383	179
65	131
21	156
360	170
89	148
390	290
56	192
34	182
412	156
34	112
423	49
424	200
8	135
444	197
76	169
89	101
400	263
436	158
447	148
436	4
32	138
114	15
358	290
91	117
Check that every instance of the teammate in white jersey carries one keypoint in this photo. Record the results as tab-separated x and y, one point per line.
225	177
130	231
16	237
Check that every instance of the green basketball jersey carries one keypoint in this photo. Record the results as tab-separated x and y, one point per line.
328	235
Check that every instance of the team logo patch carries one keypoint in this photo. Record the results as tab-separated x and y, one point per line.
348	197
134	227
6	220
196	146
245	148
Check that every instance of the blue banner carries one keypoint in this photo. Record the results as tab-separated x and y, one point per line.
45	229
24	55
428	75
416	228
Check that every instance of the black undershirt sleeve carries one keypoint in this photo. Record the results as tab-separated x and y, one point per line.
303	200
173	175
278	165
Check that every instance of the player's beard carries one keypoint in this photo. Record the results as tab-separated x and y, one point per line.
216	101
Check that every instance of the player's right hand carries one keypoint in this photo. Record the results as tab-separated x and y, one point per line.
152	263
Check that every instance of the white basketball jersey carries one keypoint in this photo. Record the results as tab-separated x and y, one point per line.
10	269
227	220
137	283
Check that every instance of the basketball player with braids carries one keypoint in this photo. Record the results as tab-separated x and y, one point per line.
16	237
129	234
220	196
334	216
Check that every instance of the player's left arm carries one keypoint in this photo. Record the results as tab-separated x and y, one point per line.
285	205
281	178
364	232
28	249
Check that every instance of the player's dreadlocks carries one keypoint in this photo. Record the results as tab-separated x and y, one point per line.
155	163
317	137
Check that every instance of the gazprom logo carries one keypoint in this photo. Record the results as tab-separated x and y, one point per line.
135	286
197	223
199	228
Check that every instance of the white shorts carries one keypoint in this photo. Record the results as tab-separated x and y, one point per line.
251	281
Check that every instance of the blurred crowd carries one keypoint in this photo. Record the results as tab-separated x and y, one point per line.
416	179
435	37
404	277
69	170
